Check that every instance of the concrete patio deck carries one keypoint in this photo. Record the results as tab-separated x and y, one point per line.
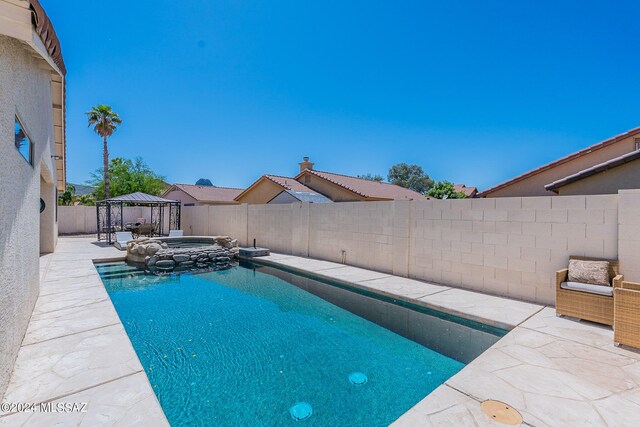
76	350
554	371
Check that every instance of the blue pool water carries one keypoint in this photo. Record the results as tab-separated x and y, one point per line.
243	348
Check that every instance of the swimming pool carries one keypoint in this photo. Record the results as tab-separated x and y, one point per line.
245	347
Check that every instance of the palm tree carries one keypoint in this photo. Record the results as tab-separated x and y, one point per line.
104	121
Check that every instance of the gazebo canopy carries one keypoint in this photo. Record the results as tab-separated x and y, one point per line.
140	198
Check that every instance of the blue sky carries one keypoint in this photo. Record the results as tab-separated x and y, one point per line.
475	92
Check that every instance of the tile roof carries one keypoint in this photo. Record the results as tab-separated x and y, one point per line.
593	170
44	28
562	160
205	193
367	188
289	183
468	191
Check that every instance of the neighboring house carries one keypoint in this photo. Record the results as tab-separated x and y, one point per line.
32	163
269	189
199	195
335	187
345	188
605	178
533	182
470	192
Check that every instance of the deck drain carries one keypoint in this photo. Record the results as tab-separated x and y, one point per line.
301	411
501	412
358	378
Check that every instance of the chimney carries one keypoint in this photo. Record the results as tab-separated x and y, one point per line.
306	164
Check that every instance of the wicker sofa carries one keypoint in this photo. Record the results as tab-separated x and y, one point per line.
584	304
626	311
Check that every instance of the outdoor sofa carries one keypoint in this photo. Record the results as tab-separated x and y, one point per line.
588	301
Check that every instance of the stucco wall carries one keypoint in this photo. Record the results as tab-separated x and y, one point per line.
623	177
328	189
181	196
261	193
534	185
506	246
26	88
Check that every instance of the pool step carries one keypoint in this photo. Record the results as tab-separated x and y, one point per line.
122	275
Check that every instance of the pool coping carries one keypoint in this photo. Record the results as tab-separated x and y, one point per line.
448	306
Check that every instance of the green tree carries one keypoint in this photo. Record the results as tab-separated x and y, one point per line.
372	177
105	121
67	197
445	188
411	177
127	177
86	199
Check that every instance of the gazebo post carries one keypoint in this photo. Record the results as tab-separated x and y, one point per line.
121	216
98	218
108	222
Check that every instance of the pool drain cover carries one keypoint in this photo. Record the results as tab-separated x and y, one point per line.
358	378
301	411
501	412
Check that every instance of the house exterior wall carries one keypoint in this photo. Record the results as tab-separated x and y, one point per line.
623	177
534	185
182	197
264	191
328	189
25	88
508	246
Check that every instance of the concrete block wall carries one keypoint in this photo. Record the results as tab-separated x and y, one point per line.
629	234
359	234
273	226
509	246
228	220
502	246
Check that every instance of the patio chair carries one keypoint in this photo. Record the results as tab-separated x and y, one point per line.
176	233
587	301
122	238
626	314
145	230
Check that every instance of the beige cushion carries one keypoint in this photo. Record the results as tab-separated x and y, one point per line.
590	272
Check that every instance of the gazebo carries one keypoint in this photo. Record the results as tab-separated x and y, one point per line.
110	214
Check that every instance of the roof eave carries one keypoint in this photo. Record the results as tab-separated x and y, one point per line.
565	159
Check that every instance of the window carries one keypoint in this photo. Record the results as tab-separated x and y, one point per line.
22	141
307	179
637	141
